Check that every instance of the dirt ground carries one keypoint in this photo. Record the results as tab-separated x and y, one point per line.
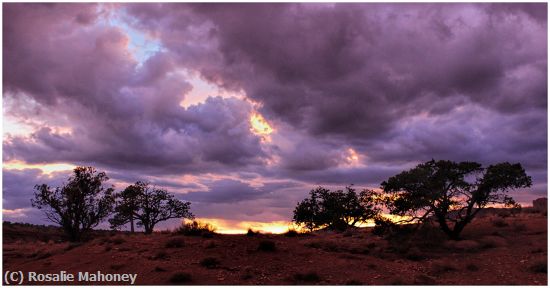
495	250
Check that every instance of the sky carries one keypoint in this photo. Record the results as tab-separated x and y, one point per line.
242	109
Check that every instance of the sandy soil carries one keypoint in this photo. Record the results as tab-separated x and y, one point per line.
495	250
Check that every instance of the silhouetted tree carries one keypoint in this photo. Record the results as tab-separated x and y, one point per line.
335	209
148	206
127	206
79	205
452	193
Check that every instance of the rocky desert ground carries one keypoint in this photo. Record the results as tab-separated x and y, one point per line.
497	248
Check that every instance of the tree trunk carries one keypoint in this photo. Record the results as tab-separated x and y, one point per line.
148	229
132	224
444	227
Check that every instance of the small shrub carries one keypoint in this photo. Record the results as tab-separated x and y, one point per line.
108	248
519	227
310	277
358	250
384	226
118	240
500	222
72	245
354	282
210	245
442	267
328	246
175	243
267	245
539	267
210	262
180	277
117	266
397	281
472	267
247	276
347	233
489	242
291	233
196	228
251	233
415	254
537	250
159	269
43	255
160	255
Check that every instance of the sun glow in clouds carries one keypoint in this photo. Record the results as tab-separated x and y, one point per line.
259	125
46	168
352	157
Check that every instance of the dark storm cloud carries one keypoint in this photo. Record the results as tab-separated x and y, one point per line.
357	69
231	191
401	83
225	191
122	115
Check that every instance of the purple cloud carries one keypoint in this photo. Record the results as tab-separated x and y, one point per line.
398	84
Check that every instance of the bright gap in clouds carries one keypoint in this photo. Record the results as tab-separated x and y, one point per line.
46	168
260	125
141	45
13	127
202	89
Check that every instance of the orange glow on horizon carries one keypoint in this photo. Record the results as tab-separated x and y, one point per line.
274	227
241	227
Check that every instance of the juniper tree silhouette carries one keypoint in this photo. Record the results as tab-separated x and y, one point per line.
148	206
453	193
79	205
335	210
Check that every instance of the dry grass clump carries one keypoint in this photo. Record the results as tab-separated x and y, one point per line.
117	240
176	242
196	228
292	233
210	262
354	282
472	267
161	255
440	267
415	254
519	227
499	222
252	233
489	242
267	246
325	245
181	277
539	267
310	277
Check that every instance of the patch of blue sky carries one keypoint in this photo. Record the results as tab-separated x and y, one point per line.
141	45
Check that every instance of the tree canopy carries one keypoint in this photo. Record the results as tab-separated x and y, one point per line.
148	206
335	209
452	193
79	205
